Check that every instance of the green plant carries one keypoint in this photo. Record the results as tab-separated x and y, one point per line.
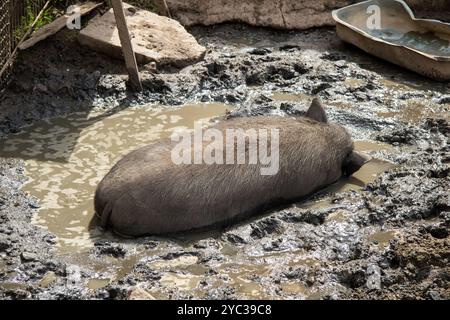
52	12
56	9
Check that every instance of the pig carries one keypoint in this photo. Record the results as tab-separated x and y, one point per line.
146	193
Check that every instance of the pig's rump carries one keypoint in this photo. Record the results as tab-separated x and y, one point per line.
146	193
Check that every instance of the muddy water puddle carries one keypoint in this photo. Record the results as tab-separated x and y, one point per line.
382	238
183	261
289	96
415	111
47	279
369	171
95	284
354	83
65	158
367	174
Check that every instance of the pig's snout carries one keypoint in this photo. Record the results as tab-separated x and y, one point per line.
354	161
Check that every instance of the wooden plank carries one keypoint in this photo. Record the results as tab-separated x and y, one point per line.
127	46
55	26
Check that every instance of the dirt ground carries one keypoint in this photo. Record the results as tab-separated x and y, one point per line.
387	241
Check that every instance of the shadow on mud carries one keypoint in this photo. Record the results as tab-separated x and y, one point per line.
404	79
53	140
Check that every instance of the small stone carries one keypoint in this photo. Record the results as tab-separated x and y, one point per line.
34	205
28	256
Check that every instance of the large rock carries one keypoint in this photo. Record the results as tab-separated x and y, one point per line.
155	38
285	14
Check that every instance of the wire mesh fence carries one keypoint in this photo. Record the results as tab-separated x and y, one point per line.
5	37
15	18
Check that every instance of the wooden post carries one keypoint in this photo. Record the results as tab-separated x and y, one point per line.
127	46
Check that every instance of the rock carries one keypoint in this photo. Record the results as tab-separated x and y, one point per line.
28	256
286	14
34	205
155	38
137	293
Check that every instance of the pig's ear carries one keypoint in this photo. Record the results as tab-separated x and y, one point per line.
316	111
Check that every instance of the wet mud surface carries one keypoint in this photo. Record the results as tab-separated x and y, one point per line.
383	233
